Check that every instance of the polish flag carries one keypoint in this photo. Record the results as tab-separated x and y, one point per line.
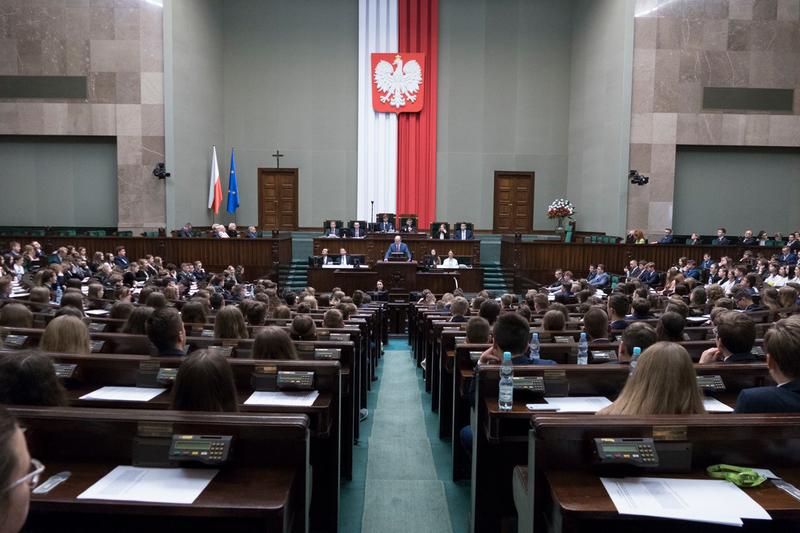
214	186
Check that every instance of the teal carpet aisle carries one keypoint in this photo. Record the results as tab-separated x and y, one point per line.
401	478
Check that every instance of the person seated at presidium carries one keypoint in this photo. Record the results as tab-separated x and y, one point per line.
442	232
451	261
409	226
462	233
398	246
332	230
385	224
357	232
344	259
326	259
432	259
186	230
722	239
664	383
782	346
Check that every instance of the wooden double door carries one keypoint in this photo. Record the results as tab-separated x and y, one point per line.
513	202
277	198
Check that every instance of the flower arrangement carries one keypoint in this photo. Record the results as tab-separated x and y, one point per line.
560	208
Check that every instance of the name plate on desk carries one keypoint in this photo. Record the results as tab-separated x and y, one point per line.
562	339
339	337
327	354
15	341
331	266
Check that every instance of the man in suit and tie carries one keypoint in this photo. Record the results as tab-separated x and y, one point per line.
736	335
251	233
357	232
707	262
722	239
397	246
787	257
634	270
600	279
650	276
748	239
409	226
121	259
186	230
344	259
782	344
667	238
325	259
463	234
385	225
332	230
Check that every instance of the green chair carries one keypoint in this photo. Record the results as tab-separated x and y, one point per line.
614	281
150	234
66	233
36	233
568	236
124	234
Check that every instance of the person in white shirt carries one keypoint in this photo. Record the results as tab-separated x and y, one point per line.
451	261
728	284
221	233
777	276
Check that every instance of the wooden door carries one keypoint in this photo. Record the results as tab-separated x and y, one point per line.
513	202
277	198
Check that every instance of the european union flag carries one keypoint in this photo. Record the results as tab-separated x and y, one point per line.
233	187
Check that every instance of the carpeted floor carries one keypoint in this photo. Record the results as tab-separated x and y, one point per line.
401	477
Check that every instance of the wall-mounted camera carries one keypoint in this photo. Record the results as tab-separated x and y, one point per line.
638	179
161	171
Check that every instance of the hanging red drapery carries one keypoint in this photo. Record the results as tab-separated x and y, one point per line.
416	132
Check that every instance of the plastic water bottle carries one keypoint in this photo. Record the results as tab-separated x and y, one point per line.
59	294
535	346
634	356
583	350
506	396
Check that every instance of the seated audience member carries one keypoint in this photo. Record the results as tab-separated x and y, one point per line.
632	271
664	383
229	324
692	271
787	296
540	303
478	330
736	335
385	224
670	327
506	302
165	330
194	312
273	342
667	238
204	383
694	240
600	278
722	239
251	232
451	261
119	310
156	300
489	310
787	257
15	315
698	298
782	346
282	312
303	328
136	322
638	237
463	233
641	309
511	333
332	319
186	231
650	277
618	307
66	334
744	300
256	313
553	321
595	324
73	300
637	335
29	378
459	307
748	239
525	312
19	474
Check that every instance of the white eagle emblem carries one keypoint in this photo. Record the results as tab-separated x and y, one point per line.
398	84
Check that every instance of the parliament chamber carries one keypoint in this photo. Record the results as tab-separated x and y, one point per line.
389	266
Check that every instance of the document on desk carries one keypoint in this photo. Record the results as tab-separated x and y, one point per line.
699	500
713	405
578	404
289	399
152	485
96	312
124	394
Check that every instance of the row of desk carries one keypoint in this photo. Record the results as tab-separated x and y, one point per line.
397	277
374	245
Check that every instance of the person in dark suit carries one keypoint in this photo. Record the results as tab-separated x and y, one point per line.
650	276
748	239
787	257
667	238
782	345
409	226
617	309
233	233
462	233
357	232
442	232
186	230
794	242
633	271
397	246
380	294
722	238
692	271
332	230
165	330
694	240
736	335
121	259
707	263
385	225
344	259
326	259
251	233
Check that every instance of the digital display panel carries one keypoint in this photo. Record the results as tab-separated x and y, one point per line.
192	445
620	448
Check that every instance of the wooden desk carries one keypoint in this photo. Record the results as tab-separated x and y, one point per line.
374	246
399	275
254	491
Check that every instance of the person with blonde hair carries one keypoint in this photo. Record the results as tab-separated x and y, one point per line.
230	324
664	383
66	334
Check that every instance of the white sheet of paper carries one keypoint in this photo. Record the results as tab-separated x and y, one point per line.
541	407
124	394
700	500
713	405
153	485
579	404
292	399
96	312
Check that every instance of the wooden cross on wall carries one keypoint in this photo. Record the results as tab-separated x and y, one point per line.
277	155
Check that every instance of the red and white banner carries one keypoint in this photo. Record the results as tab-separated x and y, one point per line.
398	82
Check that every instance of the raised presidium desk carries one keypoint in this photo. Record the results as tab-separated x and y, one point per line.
396	275
374	246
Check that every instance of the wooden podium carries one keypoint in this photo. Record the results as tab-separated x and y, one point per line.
397	275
